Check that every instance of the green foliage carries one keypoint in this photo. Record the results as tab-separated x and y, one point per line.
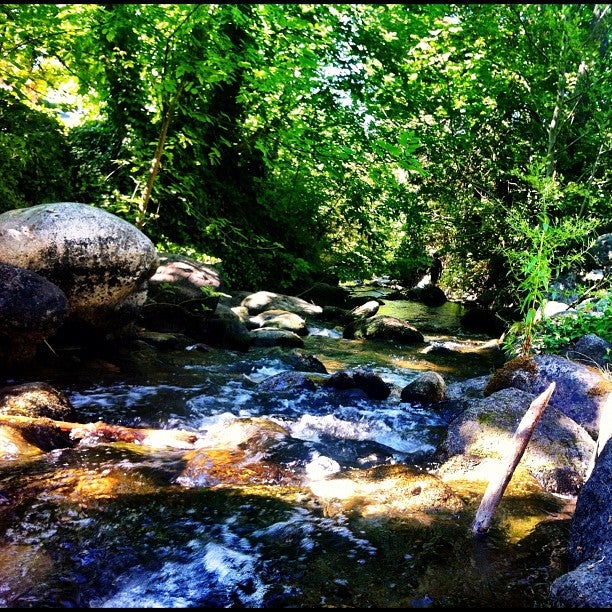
167	246
290	141
35	161
538	254
409	270
92	145
555	333
208	292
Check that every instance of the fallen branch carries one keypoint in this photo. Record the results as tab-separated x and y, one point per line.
497	486
104	432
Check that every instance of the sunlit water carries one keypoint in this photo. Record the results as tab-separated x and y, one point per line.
115	525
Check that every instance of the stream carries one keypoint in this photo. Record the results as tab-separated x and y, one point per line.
118	525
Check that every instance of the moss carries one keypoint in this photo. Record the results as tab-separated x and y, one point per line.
485	418
502	377
601	388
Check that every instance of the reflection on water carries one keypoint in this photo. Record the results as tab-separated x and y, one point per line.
237	521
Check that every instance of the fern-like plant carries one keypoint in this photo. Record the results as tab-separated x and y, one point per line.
537	257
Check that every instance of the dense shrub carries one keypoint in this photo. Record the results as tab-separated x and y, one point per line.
35	161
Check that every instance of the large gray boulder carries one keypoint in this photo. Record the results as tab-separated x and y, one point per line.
100	261
479	437
589	583
581	392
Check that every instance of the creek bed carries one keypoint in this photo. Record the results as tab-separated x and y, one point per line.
118	525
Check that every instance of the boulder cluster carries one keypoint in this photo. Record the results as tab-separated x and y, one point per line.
73	271
68	266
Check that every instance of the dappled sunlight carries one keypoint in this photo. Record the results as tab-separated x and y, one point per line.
106	472
228	468
523	505
387	491
13	445
218	476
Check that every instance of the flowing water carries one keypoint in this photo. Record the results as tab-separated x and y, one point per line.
244	520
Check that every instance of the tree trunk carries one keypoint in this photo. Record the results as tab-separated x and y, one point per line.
497	486
156	162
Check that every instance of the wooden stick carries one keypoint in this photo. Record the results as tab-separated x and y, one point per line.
104	432
497	486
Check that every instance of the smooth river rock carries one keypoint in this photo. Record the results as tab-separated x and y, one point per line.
101	262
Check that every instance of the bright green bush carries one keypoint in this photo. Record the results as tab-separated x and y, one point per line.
35	161
554	334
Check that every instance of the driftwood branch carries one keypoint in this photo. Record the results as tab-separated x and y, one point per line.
497	486
105	432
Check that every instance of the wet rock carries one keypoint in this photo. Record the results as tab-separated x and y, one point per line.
165	340
369	309
428	387
238	451
280	319
306	363
275	337
370	383
287	382
32	309
221	467
36	399
225	329
266	300
430	295
21	437
383	328
397	294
